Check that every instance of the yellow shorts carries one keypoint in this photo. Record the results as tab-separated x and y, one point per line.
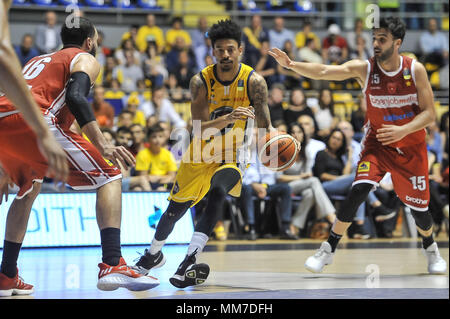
193	181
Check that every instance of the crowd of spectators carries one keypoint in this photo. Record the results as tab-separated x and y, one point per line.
150	71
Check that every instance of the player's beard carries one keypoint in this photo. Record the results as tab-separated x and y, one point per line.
226	67
384	56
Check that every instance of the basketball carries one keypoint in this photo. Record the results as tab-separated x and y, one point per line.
278	150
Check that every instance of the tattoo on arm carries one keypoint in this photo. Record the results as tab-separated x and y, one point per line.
195	85
258	93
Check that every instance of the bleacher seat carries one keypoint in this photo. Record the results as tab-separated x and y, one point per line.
69	2
21	2
124	4
276	5
44	3
149	4
303	6
247	5
97	3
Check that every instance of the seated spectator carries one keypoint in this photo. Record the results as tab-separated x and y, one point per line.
275	102
132	105
124	138
138	135
297	106
309	52
177	31
156	162
336	175
125	119
151	32
103	111
357	32
303	183
202	52
312	145
302	37
129	73
252	38
102	51
324	114
172	56
334	46
185	71
105	77
198	34
26	50
435	143
162	107
46	37
153	65
434	45
280	125
267	66
360	51
444	131
109	134
358	118
278	35
261	182
127	45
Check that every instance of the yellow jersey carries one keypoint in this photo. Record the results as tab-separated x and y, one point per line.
223	97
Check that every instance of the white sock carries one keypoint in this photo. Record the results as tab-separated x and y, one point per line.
198	242
156	246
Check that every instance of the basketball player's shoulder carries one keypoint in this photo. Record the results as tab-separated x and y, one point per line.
257	85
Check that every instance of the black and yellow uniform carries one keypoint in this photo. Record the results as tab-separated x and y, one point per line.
229	149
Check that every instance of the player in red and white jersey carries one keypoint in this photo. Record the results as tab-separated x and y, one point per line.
399	106
60	83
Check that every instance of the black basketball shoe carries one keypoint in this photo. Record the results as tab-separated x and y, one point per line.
149	261
189	273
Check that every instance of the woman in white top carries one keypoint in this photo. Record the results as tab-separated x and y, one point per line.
303	183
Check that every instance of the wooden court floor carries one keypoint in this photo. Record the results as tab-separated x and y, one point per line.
265	269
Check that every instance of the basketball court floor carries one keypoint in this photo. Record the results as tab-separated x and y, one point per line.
264	269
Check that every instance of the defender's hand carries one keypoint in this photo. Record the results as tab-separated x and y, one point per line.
281	57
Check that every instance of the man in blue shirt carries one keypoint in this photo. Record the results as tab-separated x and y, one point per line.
434	45
26	50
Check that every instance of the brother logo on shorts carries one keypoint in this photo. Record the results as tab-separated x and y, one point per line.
416	200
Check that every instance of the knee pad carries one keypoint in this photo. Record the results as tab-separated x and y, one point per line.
423	219
355	198
176	210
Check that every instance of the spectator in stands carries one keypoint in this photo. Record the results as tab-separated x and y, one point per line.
304	184
360	51
26	50
176	94
336	175
267	66
324	114
172	56
162	108
153	65
156	161
288	77
349	133
275	102
138	136
302	37
127	45
46	37
261	182
177	31
109	134
334	46
309	52
354	43
150	32
202	52
130	182
102	51
129	73
280	125
435	143
252	37
297	106
443	128
105	77
279	34
103	111
185	71
132	105
313	146
198	34
125	119
434	45
438	205
358	117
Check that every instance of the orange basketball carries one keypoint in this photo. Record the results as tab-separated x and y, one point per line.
278	150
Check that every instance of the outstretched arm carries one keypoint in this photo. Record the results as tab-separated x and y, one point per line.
316	71
13	85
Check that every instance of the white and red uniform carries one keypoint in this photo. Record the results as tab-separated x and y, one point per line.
391	98
47	76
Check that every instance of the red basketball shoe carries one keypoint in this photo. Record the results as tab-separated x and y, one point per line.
122	275
14	286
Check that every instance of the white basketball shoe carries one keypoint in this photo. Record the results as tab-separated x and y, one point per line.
436	264
320	259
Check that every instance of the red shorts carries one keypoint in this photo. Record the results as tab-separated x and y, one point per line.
24	163
408	167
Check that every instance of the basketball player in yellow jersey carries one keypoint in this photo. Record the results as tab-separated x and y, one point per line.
226	98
